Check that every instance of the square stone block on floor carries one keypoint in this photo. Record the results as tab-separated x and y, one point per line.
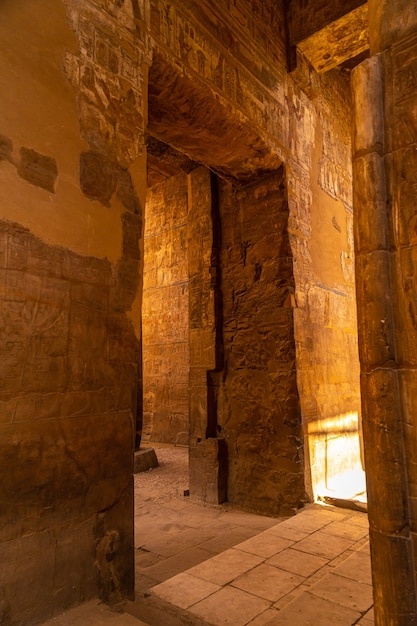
225	567
309	610
357	567
311	519
347	530
184	590
368	619
297	562
162	570
230	607
324	545
287	532
265	544
359	519
227	539
267	582
344	591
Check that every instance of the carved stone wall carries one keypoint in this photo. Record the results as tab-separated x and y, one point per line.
260	417
68	372
321	230
165	341
70	229
72	188
305	120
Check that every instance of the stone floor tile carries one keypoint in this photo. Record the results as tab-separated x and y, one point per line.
162	570
357	567
144	558
168	543
228	539
311	520
340	558
184	590
297	562
248	520
293	595
365	622
345	529
268	582
309	610
230	607
321	573
368	619
265	544
360	519
366	548
322	544
362	544
286	532
225	567
263	618
93	613
344	591
370	615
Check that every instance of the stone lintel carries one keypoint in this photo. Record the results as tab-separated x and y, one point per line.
337	42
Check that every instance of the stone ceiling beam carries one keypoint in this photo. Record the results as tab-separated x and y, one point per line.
328	34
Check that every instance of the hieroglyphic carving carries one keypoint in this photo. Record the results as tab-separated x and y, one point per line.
193	32
165	313
108	72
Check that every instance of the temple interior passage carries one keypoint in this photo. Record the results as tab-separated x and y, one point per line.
208	235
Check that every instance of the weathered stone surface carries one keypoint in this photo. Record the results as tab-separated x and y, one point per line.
392	553
6	148
385	295
203	336
368	130
38	169
338	41
63	393
375	312
219	92
98	176
306	17
208	470
260	417
144	459
370	190
188	116
165	323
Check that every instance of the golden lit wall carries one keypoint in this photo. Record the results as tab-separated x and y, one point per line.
165	350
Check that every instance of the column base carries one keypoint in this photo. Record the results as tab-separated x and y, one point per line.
144	459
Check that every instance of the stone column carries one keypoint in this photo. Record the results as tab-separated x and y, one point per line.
391	546
207	451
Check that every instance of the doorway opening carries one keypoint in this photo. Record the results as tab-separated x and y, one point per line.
232	382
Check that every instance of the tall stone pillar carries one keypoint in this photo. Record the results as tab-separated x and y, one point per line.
385	179
207	451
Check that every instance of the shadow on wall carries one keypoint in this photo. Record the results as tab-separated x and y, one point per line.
336	458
